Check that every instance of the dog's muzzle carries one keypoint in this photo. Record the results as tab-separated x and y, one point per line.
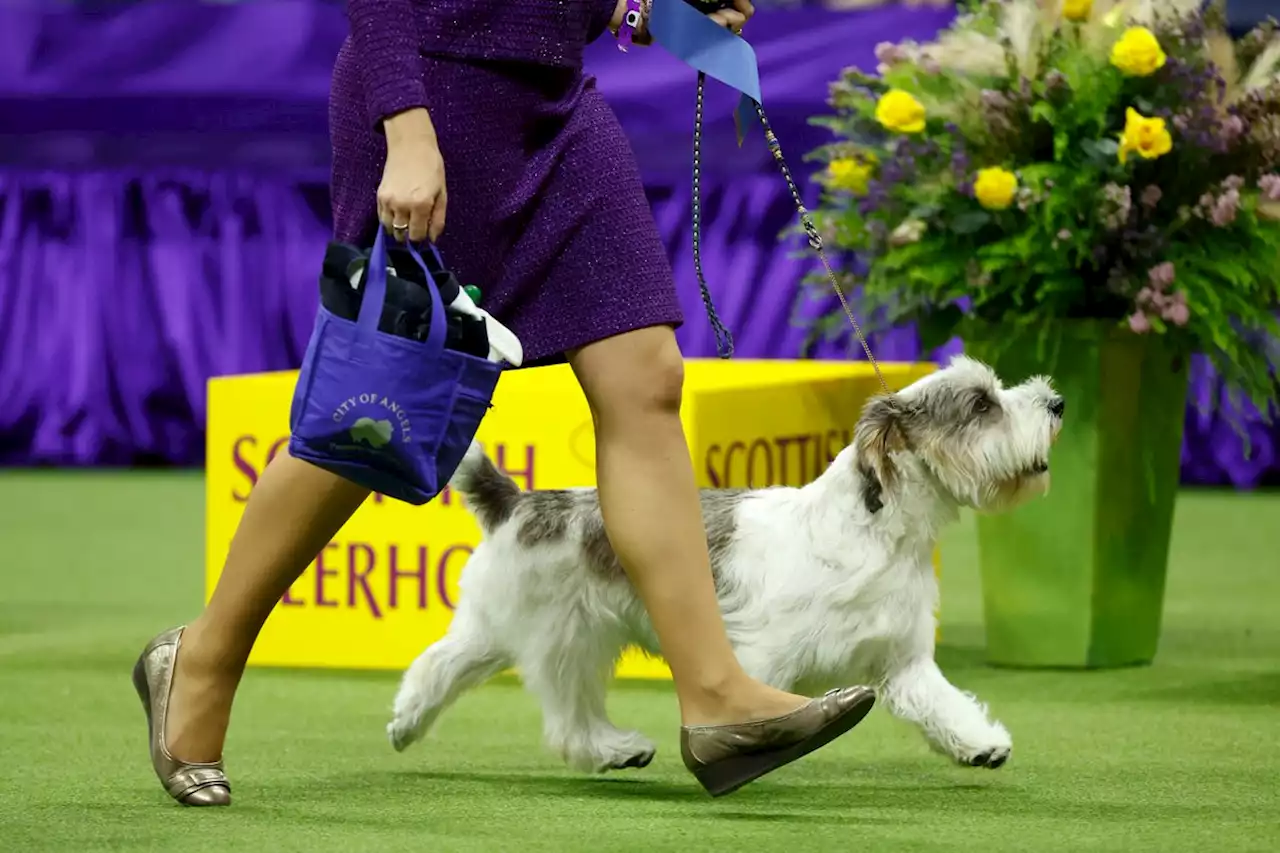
1056	407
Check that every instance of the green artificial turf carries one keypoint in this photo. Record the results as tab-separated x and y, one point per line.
1183	755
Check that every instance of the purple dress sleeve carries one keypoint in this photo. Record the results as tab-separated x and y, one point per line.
385	37
606	9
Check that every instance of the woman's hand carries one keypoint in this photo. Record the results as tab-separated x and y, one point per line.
735	18
732	19
411	197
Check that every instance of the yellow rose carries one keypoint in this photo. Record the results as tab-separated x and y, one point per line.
1137	53
995	188
851	173
1149	137
1077	10
900	111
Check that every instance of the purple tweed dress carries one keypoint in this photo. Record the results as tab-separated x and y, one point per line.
547	215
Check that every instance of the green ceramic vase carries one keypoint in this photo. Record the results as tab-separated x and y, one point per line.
1076	579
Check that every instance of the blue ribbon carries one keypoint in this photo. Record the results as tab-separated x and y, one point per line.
701	43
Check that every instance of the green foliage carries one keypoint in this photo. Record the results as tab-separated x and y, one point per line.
1105	222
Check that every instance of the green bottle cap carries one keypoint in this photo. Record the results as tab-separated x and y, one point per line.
473	292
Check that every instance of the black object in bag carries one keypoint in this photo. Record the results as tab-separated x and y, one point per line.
406	313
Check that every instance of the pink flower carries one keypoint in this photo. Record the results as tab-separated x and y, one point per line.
1234	182
1225	208
889	53
1151	196
1177	312
930	65
1139	323
1270	186
1064	234
1232	128
1161	275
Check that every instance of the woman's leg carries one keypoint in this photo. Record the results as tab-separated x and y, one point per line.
292	512
651	510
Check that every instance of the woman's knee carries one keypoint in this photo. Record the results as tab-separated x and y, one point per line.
635	374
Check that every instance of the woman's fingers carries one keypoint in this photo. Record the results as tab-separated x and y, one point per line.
730	19
745	8
436	227
413	219
420	218
394	215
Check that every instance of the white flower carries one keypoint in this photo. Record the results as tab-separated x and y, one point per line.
910	231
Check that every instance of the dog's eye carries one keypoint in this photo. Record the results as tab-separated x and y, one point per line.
981	405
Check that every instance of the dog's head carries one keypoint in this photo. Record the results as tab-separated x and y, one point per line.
987	446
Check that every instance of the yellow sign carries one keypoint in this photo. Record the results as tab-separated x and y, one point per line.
386	586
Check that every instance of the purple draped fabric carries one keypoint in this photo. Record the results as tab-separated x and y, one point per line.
163	209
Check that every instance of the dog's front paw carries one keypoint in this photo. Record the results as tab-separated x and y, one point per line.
991	750
990	758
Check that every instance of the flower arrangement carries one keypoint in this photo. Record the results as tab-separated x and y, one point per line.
1048	160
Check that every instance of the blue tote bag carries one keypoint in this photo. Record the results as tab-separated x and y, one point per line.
389	413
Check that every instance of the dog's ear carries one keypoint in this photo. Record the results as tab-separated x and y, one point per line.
878	436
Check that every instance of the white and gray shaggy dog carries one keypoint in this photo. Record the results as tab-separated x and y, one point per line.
829	584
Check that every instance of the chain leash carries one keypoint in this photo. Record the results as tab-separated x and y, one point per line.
724	340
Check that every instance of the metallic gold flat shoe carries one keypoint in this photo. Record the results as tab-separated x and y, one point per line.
724	758
189	784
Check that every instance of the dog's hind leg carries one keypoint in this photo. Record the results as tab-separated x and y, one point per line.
569	672
462	659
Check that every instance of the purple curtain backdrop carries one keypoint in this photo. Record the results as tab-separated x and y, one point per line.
163	209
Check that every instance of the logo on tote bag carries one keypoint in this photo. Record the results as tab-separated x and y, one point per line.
371	432
376	431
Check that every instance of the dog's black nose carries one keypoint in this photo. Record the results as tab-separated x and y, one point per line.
1056	406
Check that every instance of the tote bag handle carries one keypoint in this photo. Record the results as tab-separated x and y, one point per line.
375	296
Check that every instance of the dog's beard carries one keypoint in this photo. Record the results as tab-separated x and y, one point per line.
1022	488
1029	482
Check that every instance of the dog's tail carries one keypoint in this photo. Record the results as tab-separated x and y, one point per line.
490	494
